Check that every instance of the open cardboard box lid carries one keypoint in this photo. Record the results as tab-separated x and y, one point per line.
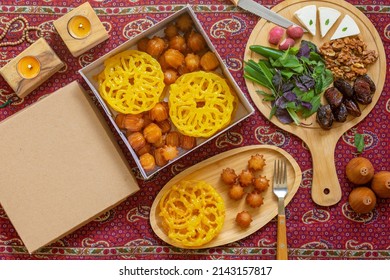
61	167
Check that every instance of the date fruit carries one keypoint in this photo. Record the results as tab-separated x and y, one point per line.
367	79
352	108
362	91
340	113
344	87
334	97
325	116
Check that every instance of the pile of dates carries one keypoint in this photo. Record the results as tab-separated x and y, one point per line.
344	99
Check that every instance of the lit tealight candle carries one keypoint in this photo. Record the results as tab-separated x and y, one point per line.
79	27
28	67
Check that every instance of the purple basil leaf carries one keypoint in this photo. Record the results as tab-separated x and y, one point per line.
289	96
300	85
307	105
287	87
304	50
277	80
283	116
308	81
304	82
281	102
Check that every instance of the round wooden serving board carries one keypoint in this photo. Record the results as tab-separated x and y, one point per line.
210	171
326	189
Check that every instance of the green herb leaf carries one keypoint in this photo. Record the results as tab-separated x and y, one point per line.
273	111
315	103
267	96
287	72
327	22
311	22
267	73
294	116
315	57
359	142
256	80
254	73
288	61
344	29
308	96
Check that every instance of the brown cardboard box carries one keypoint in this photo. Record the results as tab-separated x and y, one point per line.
243	110
60	168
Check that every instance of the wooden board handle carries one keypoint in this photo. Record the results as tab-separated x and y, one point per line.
281	249
325	189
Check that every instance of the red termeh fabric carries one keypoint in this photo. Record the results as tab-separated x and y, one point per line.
314	232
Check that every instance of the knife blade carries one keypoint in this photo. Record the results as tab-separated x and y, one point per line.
261	11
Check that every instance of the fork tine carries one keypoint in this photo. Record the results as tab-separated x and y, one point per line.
276	172
280	172
280	177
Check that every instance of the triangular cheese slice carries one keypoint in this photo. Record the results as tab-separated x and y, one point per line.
328	17
347	27
307	16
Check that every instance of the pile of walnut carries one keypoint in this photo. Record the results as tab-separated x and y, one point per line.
180	51
348	57
238	184
151	136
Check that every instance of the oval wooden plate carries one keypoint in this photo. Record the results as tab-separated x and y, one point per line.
210	171
326	189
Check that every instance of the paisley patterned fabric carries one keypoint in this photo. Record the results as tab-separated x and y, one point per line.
313	232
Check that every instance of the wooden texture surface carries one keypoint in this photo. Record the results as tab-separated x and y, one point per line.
79	46
281	250
326	189
210	170
49	61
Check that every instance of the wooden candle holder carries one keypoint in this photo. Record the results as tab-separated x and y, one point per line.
40	58
80	42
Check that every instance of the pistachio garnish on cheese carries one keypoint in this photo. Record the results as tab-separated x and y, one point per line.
328	17
347	27
307	16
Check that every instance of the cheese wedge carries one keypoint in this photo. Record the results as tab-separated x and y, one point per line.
347	27
328	17
307	16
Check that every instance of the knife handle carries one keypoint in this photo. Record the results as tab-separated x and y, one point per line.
235	2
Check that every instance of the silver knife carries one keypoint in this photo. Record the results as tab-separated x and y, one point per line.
261	11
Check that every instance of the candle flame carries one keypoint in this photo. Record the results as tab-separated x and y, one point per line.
30	66
81	25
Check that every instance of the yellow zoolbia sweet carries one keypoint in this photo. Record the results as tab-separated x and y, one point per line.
192	213
200	104
132	82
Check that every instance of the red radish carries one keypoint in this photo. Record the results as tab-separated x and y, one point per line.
275	35
295	32
286	43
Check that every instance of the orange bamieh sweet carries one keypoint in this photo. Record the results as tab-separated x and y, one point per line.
192	213
200	104
132	82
